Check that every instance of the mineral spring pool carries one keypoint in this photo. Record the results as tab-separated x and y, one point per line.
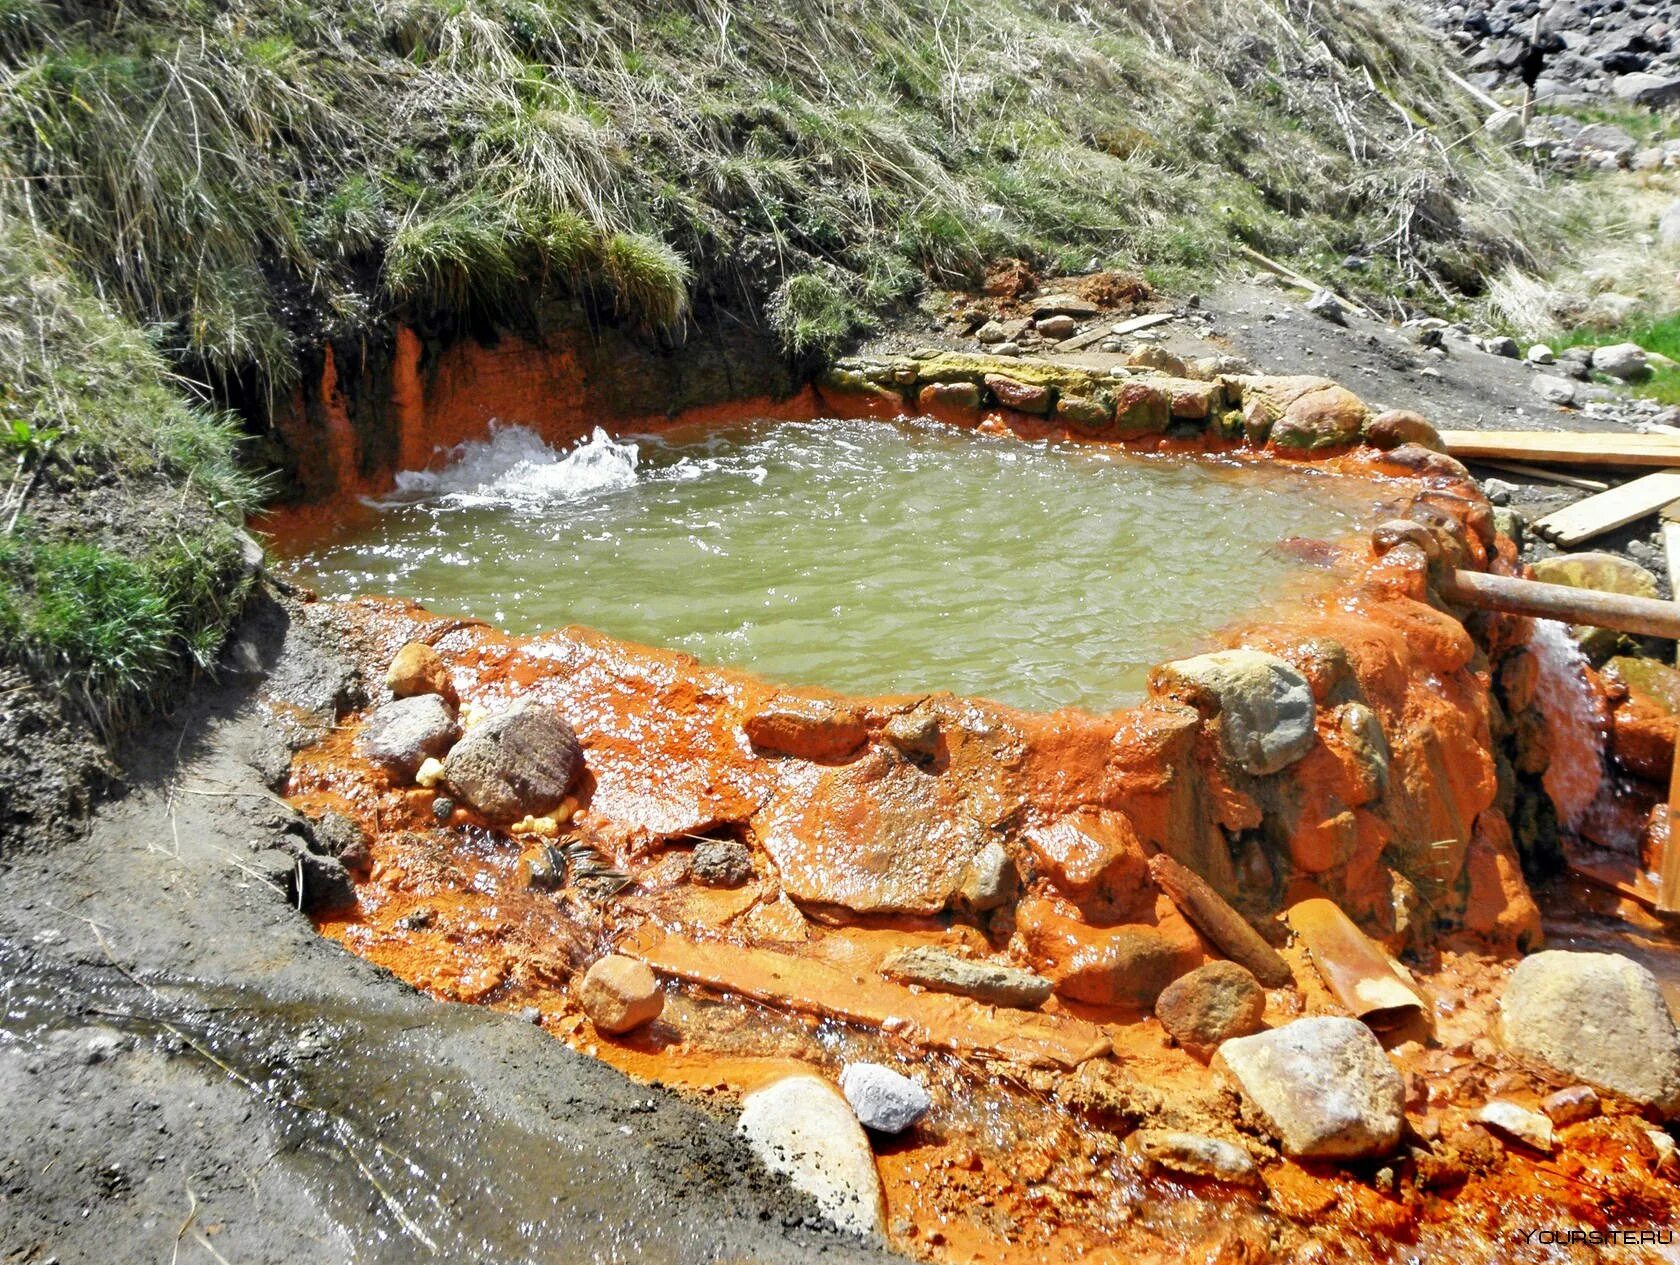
865	556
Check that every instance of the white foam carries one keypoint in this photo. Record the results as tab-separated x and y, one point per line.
515	469
1576	718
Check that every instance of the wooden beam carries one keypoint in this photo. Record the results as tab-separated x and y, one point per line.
1564	447
1550	476
1668	879
1645	616
1609	510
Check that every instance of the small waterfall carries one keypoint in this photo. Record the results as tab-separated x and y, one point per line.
515	469
1575	717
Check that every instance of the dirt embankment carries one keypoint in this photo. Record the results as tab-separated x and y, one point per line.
185	1064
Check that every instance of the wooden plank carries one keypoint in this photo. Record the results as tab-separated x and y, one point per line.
1643	615
1133	324
1564	447
1610	510
1668	878
1551	476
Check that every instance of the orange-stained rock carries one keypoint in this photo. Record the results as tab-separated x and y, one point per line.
1499	906
1094	858
1023	397
1326	417
418	669
950	401
821	729
1643	724
1126	965
1401	426
620	994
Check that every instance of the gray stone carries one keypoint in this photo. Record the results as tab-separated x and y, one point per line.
1642	88
1325	305
1540	354
1196	1155
1061	304
343	839
1007	349
1621	360
515	764
1056	328
1528	1127
1501	346
883	1100
1598	1018
989	881
721	863
1504	127
1211	1005
801	1127
1265	705
989	982
1554	390
991	332
1323	1086
400	735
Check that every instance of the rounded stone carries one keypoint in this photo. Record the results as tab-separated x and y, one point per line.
620	994
399	736
1212	1004
884	1100
1401	426
721	863
517	764
418	669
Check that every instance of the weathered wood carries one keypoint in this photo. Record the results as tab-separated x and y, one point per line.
1564	447
1609	510
1645	616
1551	476
1133	324
1668	878
1305	282
1212	915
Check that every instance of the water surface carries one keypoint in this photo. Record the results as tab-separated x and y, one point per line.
866	556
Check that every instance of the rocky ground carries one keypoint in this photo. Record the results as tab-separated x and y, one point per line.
189	1071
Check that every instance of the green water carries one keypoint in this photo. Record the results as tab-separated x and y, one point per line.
864	556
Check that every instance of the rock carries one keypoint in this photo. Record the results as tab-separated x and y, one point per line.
1196	1155
1528	1127
818	729
1504	127
882	1099
1645	724
1399	426
1607	572
430	772
990	333
1554	390
1668	225
989	982
1127	965
620	994
1621	360
1570	1106
342	838
1540	354
323	884
720	863
1063	304
1056	328
400	735
1265	706
1323	1086
1598	1018
1362	734
1159	359
990	880
519	763
1326	418
1021	396
1501	346
1326	306
949	397
1006	349
1498	491
915	733
418	669
1642	88
1085	412
801	1127
1211	1005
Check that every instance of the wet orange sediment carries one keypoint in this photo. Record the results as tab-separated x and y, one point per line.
1025	1157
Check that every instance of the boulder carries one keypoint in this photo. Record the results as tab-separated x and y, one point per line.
519	763
1196	1156
958	398
1502	346
1159	359
1643	88
1399	426
1553	389
721	863
1023	397
801	1127
1323	1086
620	994
1056	328
399	736
1265	706
1606	572
1211	1005
1126	965
1621	360
418	669
990	982
1325	305
817	729
884	1101
1325	418
1540	354
991	333
1598	1018
1085	412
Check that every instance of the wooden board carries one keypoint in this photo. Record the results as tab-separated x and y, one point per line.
1564	447
1550	476
1610	510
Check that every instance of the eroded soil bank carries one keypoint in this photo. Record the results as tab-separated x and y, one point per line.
870	827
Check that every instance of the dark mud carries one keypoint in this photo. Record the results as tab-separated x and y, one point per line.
189	1072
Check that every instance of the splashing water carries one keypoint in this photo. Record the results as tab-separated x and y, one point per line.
514	469
1575	718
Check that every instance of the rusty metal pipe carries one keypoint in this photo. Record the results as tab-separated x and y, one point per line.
1644	616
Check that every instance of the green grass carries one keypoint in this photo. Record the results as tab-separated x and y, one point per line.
1660	335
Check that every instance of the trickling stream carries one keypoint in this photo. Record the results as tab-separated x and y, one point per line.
863	556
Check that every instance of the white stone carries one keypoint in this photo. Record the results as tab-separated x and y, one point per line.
1621	360
1540	354
1554	390
1265	705
1528	1127
801	1127
883	1100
